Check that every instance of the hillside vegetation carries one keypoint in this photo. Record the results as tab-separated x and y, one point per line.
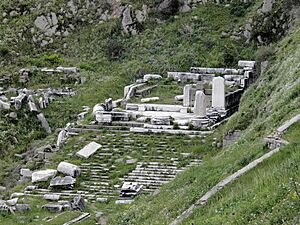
259	196
189	39
110	59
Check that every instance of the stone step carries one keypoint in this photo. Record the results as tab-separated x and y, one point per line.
147	178
159	170
94	183
148	184
147	181
96	189
95	169
164	176
93	164
97	178
157	167
153	163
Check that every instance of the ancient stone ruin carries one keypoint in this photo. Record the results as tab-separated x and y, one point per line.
206	98
209	96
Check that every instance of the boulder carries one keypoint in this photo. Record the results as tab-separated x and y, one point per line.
26	173
22	207
148	77
12	202
168	7
267	6
68	169
4	105
53	207
127	20
4	208
2	189
47	24
78	203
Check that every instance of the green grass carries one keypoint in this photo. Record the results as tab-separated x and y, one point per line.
257	197
167	47
191	39
265	195
37	215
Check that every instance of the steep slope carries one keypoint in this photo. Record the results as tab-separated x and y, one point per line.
109	59
257	197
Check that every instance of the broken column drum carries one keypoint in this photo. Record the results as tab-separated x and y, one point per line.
187	99
218	93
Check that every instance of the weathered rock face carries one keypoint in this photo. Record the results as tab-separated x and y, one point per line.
78	203
131	19
272	21
267	5
53	24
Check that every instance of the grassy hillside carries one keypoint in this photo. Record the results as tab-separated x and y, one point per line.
110	59
265	195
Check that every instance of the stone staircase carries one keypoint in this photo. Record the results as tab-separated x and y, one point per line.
152	160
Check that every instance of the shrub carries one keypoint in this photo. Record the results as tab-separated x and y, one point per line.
175	126
54	59
264	53
170	9
4	51
239	8
114	49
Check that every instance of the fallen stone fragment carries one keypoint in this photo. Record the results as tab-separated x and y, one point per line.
148	77
102	200
4	208
88	150
124	202
78	219
66	182
51	197
68	169
43	175
44	122
4	105
78	203
30	188
16	195
53	207
145	100
26	172
12	202
2	189
22	207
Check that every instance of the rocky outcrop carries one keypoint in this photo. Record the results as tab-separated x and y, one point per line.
131	19
271	22
267	5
